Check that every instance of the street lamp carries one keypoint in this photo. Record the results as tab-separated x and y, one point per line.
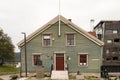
25	53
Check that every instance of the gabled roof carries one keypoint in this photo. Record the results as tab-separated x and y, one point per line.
66	21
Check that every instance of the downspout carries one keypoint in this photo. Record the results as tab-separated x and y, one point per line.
101	56
59	27
59	33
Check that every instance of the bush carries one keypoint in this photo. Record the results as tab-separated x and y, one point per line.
14	76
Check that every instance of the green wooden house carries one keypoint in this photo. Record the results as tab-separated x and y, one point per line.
62	45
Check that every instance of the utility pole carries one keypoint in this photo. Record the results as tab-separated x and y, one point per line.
25	53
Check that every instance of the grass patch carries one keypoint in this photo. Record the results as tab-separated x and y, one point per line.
8	69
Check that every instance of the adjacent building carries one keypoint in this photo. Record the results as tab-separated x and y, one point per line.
61	45
109	33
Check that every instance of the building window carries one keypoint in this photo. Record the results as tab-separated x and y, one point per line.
114	49
116	40
109	32
115	58
115	31
107	51
46	40
109	41
99	36
37	59
70	39
83	58
108	59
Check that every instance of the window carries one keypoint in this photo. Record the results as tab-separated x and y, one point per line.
115	31
116	40
107	51
114	49
115	58
109	32
83	59
108	59
70	39
37	59
46	40
99	36
109	41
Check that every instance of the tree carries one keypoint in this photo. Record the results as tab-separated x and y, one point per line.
6	48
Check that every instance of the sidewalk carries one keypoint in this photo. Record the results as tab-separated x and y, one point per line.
5	77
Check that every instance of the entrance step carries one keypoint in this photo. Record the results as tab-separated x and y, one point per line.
59	75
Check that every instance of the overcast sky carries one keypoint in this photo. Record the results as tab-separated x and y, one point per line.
18	16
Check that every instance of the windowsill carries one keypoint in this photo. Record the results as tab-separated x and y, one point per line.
70	45
47	46
82	66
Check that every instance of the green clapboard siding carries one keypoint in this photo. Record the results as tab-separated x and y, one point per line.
83	45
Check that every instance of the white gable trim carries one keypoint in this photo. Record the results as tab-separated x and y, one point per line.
69	23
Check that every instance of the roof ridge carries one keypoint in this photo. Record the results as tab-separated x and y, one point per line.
69	23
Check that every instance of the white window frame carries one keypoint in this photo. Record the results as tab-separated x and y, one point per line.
46	37
74	39
79	59
33	57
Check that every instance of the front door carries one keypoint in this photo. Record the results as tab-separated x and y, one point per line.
59	61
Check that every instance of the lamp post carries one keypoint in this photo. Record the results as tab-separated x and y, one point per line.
25	53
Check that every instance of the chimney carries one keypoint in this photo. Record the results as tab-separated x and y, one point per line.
70	20
92	24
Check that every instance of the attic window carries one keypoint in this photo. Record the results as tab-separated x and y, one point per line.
70	39
46	39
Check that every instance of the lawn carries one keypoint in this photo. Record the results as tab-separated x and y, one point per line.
5	69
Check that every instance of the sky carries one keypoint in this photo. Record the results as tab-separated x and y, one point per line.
18	16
